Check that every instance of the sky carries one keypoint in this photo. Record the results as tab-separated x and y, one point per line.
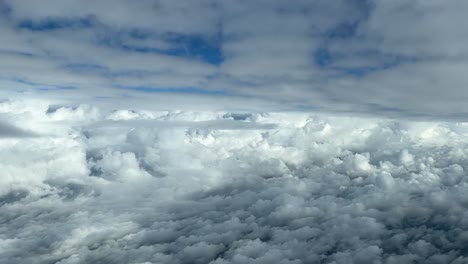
233	131
394	58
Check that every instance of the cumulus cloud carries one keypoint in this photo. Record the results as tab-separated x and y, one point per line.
310	189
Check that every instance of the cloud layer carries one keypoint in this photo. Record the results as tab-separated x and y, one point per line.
395	58
223	187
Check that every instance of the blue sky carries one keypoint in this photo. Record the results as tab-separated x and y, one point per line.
340	56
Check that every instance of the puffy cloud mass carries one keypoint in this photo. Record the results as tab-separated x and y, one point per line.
129	186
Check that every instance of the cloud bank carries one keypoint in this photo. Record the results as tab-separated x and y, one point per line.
393	58
225	187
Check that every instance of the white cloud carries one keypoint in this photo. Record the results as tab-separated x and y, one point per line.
313	188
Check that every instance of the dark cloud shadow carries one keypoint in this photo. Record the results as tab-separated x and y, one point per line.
10	131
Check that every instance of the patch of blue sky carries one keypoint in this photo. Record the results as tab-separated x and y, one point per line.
23	81
5	10
138	34
323	57
343	31
207	49
17	53
388	63
204	48
50	24
329	60
326	59
349	29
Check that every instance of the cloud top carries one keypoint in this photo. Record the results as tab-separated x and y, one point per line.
311	189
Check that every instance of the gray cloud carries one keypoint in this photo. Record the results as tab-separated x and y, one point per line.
10	131
395	59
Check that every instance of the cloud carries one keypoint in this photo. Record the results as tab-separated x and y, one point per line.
203	187
11	131
365	57
170	132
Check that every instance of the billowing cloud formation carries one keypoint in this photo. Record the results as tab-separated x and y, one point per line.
396	58
287	188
